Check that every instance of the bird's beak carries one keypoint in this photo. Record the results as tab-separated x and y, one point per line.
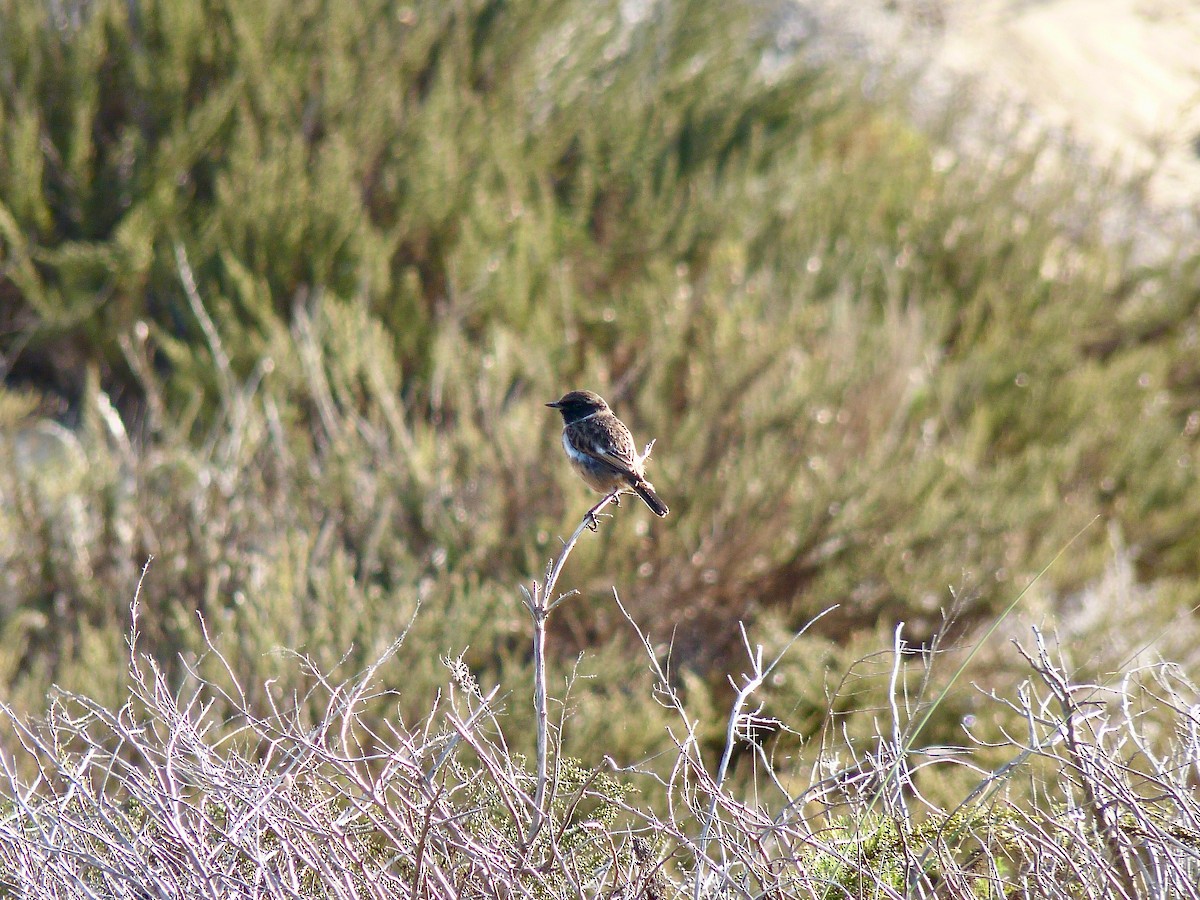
554	405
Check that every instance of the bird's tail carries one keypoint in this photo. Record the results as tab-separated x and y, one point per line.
645	490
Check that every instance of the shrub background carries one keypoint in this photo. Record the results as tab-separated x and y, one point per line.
298	277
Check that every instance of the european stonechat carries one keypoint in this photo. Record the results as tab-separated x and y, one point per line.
601	449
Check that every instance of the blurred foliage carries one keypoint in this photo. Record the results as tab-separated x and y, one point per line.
297	278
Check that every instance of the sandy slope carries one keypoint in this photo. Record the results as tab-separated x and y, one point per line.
1119	77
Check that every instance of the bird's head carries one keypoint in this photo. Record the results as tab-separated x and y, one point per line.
576	405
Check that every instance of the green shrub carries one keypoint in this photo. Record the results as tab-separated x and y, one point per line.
303	276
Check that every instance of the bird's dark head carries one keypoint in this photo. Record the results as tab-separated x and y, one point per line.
576	405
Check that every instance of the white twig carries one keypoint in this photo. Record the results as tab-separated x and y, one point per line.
540	602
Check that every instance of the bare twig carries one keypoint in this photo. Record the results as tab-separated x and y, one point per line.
540	601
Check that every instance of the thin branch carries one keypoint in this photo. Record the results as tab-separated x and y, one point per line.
540	601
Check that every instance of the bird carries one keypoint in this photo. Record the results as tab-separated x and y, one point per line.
601	449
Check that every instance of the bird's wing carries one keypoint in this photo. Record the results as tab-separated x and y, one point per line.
612	446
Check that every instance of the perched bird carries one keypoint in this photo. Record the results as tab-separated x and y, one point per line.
601	448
